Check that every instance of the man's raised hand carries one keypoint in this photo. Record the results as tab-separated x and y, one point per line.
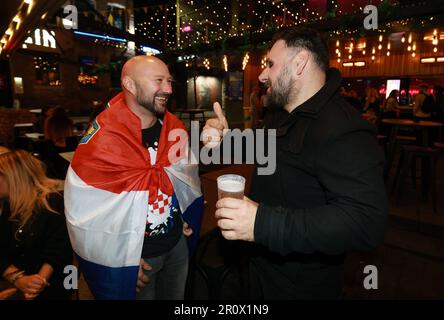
214	128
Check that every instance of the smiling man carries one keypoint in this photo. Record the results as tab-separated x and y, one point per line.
125	204
326	196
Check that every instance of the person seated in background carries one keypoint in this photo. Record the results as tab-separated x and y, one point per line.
58	127
59	134
353	98
5	290
391	109
403	99
39	124
421	109
34	242
372	101
371	108
439	100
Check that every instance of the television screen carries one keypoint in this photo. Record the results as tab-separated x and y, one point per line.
393	84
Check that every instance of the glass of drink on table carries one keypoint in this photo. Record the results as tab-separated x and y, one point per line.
230	185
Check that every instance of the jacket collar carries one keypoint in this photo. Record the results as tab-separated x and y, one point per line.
312	107
320	99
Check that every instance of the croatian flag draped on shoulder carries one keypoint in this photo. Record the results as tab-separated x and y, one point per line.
108	189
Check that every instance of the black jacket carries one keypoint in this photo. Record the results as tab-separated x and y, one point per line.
44	239
326	197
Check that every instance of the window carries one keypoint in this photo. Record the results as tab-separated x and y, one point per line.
47	71
87	77
116	15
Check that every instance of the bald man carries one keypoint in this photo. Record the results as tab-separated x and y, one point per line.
146	83
125	151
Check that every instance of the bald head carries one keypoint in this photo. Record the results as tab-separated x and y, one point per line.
146	82
139	66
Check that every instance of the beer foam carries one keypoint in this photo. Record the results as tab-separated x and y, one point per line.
231	186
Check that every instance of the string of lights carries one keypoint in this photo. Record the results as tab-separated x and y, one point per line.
203	23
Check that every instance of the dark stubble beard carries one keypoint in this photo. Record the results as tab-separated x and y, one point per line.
281	90
148	103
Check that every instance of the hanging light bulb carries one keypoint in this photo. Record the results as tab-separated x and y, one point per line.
409	48
245	60
388	53
373	58
435	49
225	61
413	54
410	38
379	47
403	39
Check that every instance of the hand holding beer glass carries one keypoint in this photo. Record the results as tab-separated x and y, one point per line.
235	212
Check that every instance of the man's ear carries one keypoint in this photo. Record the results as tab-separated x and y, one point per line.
129	85
300	61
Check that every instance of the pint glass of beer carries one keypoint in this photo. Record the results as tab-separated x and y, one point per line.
230	185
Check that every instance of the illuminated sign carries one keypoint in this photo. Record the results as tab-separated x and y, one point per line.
42	38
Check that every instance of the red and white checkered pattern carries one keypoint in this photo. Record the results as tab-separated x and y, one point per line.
161	204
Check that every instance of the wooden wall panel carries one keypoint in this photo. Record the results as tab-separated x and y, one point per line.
392	66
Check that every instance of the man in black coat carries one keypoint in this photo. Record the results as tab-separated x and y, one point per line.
326	196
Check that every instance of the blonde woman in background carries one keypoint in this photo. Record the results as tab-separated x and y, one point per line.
372	105
6	293
34	242
372	101
391	109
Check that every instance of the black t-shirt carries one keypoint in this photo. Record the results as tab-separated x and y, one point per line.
164	219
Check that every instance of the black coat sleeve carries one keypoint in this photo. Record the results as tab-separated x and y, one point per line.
349	168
